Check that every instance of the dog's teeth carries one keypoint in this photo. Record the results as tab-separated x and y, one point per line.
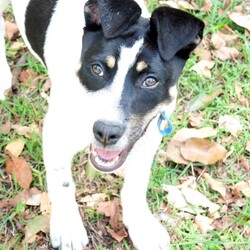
107	164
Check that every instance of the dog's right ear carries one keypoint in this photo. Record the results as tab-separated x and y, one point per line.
111	16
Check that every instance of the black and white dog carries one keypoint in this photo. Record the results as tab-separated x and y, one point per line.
114	70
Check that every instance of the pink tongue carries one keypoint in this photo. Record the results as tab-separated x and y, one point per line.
106	154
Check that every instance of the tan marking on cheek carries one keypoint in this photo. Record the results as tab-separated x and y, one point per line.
110	60
141	66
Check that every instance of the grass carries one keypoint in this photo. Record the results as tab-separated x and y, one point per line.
28	107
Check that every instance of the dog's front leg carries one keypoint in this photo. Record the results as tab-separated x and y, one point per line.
59	146
144	230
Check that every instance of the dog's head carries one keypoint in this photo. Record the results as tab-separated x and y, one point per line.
130	67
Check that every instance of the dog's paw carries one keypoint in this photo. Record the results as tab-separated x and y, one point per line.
148	234
67	231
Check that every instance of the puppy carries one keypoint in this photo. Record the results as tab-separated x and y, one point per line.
114	70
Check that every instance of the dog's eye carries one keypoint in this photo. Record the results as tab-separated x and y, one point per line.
150	82
97	69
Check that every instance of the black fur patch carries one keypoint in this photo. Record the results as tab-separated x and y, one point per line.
37	19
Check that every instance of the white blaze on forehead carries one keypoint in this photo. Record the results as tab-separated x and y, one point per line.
106	102
127	59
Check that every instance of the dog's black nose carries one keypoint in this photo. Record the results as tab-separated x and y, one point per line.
107	132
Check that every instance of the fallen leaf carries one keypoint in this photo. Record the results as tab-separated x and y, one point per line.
20	170
207	6
27	75
202	150
94	199
173	150
26	131
5	128
230	124
39	223
189	200
173	153
203	223
35	197
110	209
215	185
197	199
118	235
226	53
202	100
243	187
217	41
186	133
23	197
15	147
203	67
240	19
186	5
11	30
45	205
195	119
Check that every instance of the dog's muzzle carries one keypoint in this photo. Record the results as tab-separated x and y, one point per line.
106	160
107	134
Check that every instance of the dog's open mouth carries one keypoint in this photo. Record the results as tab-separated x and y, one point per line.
107	160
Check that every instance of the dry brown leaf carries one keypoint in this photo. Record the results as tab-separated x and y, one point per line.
39	223
173	150
243	187
15	147
23	197
202	150
26	131
173	153
203	223
35	197
110	209
230	124
240	19
20	170
186	133
195	119
189	200
228	38
203	68
45	205
215	185
118	235
226	53
5	128
11	30
197	199
207	6
186	5
217	41
94	199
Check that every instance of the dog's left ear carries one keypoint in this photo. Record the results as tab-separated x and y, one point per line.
114	16
177	32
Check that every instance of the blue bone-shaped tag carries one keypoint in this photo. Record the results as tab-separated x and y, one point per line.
164	124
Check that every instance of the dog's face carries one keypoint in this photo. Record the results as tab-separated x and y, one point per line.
131	66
